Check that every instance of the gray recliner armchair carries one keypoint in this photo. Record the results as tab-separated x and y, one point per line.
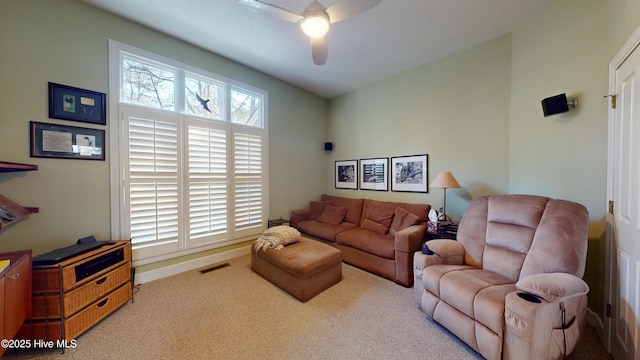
510	286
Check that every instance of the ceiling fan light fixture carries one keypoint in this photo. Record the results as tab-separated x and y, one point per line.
315	23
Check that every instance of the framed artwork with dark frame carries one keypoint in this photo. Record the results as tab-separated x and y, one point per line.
374	174
346	175
70	103
410	173
66	142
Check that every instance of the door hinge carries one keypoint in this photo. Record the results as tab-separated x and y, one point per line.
611	203
609	311
613	100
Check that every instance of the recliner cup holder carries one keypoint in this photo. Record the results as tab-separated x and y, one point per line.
529	297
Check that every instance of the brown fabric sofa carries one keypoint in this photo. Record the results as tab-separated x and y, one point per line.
510	286
376	236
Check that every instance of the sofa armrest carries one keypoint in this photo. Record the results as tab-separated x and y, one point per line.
298	216
450	251
410	240
407	241
553	287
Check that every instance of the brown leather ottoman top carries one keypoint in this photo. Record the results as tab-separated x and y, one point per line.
302	259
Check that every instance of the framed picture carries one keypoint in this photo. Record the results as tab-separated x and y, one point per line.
70	103
373	174
66	142
347	174
409	173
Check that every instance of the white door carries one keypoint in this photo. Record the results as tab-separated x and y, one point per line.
623	221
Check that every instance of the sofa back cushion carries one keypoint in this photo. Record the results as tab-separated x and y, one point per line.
561	240
511	223
332	215
520	235
402	219
354	207
420	210
316	208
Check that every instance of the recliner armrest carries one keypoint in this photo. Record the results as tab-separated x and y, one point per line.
444	251
553	286
421	261
450	251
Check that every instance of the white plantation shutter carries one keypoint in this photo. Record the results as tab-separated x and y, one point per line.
248	167
185	178
154	187
207	183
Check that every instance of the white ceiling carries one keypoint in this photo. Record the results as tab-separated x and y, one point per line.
392	37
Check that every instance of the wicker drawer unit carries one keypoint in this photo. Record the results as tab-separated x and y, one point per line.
73	295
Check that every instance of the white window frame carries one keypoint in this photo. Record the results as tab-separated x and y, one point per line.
119	173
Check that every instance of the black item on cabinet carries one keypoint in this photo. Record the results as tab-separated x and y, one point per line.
64	253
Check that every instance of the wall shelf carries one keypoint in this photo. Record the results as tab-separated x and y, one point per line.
15	211
6	166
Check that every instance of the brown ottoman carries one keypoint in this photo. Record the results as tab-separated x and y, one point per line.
303	269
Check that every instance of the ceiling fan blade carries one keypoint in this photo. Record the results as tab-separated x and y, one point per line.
271	10
319	51
344	9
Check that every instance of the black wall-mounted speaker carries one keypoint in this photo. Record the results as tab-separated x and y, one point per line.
555	105
328	146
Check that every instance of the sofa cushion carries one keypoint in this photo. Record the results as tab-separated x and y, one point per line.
316	208
402	219
379	211
324	231
380	215
421	210
511	224
332	215
376	218
469	291
432	275
374	226
354	207
368	241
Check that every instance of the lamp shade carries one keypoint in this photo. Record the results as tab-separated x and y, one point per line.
445	180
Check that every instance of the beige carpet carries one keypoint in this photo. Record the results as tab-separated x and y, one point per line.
233	313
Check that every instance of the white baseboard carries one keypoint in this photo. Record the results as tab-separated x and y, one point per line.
166	271
594	321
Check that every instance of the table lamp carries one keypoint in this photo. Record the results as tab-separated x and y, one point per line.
445	180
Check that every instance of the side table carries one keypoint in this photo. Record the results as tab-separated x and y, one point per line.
278	222
430	235
445	231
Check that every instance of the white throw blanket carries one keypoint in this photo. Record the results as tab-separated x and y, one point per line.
277	237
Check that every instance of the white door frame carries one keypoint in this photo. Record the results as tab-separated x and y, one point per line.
611	249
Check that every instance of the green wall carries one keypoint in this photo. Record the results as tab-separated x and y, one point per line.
456	110
477	113
66	41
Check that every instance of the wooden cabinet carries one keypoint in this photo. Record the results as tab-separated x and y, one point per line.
15	293
11	212
73	295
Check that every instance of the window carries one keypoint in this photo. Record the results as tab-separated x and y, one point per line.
189	160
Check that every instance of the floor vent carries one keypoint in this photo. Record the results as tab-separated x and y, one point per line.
204	271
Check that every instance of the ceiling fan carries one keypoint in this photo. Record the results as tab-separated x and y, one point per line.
315	20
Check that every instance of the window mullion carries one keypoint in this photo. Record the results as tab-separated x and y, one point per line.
180	91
